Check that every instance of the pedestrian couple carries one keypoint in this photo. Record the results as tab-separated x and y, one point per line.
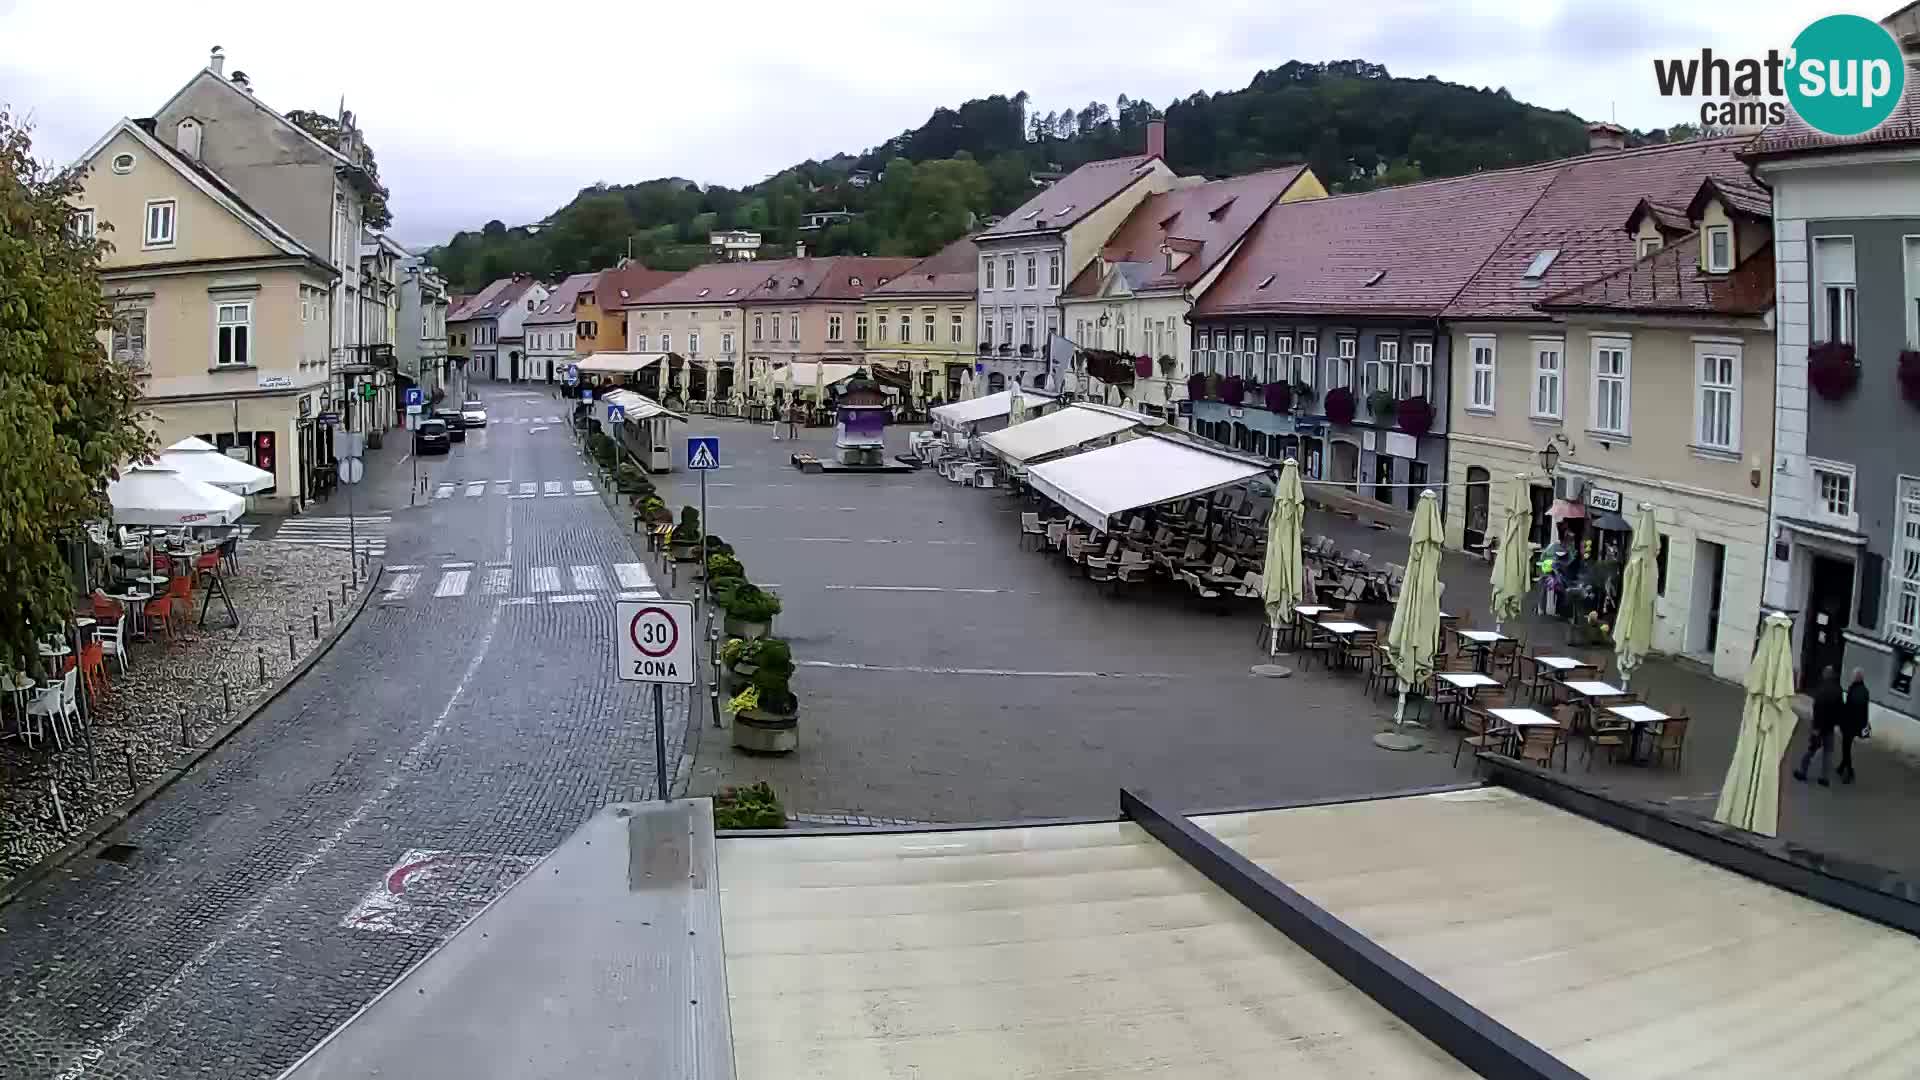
1836	712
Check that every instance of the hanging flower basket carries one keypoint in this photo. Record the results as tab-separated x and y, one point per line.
1233	390
1143	367
1279	397
1381	404
1168	365
1909	375
1833	370
1340	405
1196	387
1416	415
1303	394
1213	386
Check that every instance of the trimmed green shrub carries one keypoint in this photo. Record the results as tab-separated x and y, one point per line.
750	603
752	807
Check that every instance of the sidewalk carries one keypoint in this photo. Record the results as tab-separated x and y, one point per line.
1871	821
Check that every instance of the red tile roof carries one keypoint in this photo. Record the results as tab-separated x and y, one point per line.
492	301
837	277
712	283
557	308
1078	194
1670	282
622	284
954	269
1902	127
1210	218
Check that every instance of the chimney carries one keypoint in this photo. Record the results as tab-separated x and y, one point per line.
186	138
1603	137
800	249
217	62
245	84
1157	139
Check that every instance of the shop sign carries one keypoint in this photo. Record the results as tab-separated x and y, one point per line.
276	382
1235	414
1603	499
306	405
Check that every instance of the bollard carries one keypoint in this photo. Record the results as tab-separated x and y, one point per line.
133	782
316	622
226	695
343	592
329	609
186	736
59	812
291	655
260	653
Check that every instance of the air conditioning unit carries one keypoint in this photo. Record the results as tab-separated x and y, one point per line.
1571	488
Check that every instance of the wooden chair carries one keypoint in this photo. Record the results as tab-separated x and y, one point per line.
1609	733
1539	743
1671	738
1482	731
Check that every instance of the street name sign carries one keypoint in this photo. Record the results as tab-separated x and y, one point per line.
703	452
655	641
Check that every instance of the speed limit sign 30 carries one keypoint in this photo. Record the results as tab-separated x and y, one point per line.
655	641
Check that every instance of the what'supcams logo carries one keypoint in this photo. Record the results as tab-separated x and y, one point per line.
1843	75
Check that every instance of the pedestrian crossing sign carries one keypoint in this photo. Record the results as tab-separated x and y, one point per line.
616	414
703	452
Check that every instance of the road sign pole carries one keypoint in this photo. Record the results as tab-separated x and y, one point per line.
353	542
706	527
660	743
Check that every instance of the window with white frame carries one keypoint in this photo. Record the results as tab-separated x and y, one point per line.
1481	366
1912	266
726	343
759	328
1717	397
160	223
666	342
1416	376
1306	362
693	343
986	328
1033	271
986	272
1612	394
1053	270
640	342
1648	245
82	224
1903	605
833	328
1380	368
1120	336
1832	486
1234	356
1006	267
860	328
1053	323
1346	350
793	328
130	339
233	346
926	327
880	327
1548	360
1026	331
956	329
1833	288
1719	242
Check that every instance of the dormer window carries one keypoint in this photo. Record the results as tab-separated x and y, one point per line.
883	281
1376	278
1065	210
1264	282
854	281
1648	245
1030	215
1719	240
1537	269
733	290
704	292
1220	211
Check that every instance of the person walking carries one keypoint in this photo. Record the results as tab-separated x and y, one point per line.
1829	701
1853	721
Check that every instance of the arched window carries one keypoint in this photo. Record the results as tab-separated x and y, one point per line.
996	382
1477	493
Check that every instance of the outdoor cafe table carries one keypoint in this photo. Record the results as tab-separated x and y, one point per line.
1592	691
1642	718
1523	718
1345	629
1469	682
1482	643
133	603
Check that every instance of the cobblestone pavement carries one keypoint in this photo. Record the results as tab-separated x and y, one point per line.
442	745
946	674
136	726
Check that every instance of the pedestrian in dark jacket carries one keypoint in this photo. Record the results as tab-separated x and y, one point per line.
1853	721
1829	702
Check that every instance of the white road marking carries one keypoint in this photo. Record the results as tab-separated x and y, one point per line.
456	566
402	586
570	598
536	430
632	575
499	580
520	601
444	491
476	489
989	671
553	487
452	583
640	594
911	588
546	579
397	569
549	419
583	487
136	1017
588	577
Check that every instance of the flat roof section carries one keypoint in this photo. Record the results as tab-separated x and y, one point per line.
1620	957
1067	950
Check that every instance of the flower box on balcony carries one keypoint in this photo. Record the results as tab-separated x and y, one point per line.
1279	397
1233	390
986	349
1909	375
1026	350
1381	405
1415	415
1006	350
1168	366
1833	370
1340	405
1302	394
1196	387
1213	386
1143	367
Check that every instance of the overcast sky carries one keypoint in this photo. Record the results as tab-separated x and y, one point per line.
485	110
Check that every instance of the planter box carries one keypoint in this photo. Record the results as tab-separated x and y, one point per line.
766	733
686	553
740	628
738	676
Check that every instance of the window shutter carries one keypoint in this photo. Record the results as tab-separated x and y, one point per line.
1873	567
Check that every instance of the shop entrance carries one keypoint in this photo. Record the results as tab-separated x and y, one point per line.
1829	594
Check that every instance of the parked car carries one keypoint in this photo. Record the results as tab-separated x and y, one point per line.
474	412
456	424
431	437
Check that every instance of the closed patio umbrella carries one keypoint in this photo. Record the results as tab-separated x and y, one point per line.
1512	576
146	495
1280	578
1414	637
1015	406
1750	796
1633	624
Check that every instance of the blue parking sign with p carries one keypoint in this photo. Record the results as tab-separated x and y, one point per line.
703	452
414	396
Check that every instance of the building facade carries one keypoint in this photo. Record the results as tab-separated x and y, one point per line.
223	314
601	322
1844	552
420	349
809	310
1134	297
374	357
551	331
489	327
917	331
1028	257
702	308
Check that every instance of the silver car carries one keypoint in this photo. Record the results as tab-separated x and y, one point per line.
474	413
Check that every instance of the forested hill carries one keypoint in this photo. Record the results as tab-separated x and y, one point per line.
1353	122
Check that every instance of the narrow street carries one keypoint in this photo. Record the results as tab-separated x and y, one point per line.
462	727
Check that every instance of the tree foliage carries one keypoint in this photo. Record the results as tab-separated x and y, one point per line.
67	419
1357	125
328	130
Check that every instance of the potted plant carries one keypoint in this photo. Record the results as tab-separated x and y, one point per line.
653	510
686	536
752	807
1909	375
1833	369
1340	405
750	610
735	663
723	564
1213	386
1302	393
1196	387
1279	397
1415	415
766	714
1143	367
1233	390
1168	365
631	479
1381	404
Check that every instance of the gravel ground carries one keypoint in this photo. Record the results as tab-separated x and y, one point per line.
137	726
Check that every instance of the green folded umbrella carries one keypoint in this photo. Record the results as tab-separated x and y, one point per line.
1280	579
1414	638
1512	577
1750	796
1633	625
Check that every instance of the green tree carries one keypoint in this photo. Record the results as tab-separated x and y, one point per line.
67	419
327	130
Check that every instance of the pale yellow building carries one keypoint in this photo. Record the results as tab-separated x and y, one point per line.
917	331
224	315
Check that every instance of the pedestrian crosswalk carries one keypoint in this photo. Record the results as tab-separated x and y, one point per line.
524	420
367	532
512	489
534	585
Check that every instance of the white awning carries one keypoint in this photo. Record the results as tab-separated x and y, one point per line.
806	371
618	363
1100	483
152	496
973	410
1066	429
637	406
210	466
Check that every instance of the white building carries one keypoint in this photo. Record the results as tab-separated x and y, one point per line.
551	331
